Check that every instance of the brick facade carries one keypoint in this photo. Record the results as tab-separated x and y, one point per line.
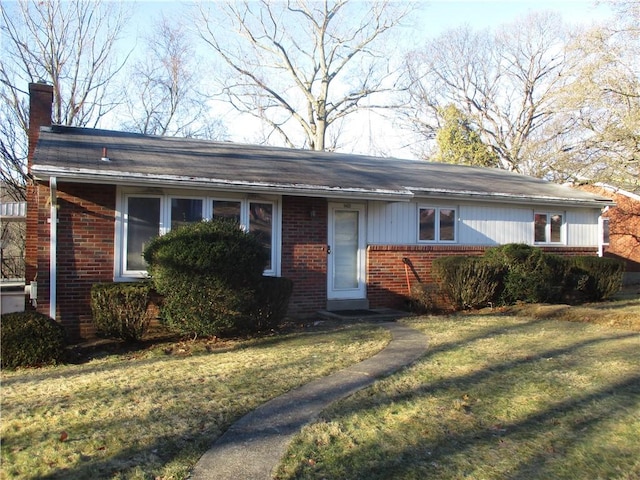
389	277
624	227
40	105
304	252
85	251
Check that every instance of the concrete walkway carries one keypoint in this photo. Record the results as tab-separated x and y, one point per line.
254	445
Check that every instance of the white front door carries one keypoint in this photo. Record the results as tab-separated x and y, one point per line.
346	259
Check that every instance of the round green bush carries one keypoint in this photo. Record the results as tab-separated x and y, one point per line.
208	274
30	339
598	278
532	276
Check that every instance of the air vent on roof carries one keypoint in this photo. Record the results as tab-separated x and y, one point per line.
105	158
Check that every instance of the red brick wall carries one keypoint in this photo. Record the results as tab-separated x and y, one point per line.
387	284
85	255
624	227
304	253
40	105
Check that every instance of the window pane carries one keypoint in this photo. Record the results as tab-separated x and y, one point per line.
184	211
261	223
605	231
143	224
556	228
226	209
345	249
447	224
540	223
427	224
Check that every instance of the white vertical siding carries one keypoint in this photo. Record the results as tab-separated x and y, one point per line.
396	223
494	225
582	228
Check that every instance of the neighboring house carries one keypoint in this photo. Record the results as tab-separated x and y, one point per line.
12	227
342	227
620	228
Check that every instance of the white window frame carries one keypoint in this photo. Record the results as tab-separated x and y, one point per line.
167	210
121	239
122	202
437	209
547	233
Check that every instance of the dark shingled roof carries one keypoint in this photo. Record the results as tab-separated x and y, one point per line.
75	154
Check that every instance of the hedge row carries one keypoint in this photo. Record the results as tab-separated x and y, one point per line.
521	273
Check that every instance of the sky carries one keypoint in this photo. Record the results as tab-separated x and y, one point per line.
444	14
432	18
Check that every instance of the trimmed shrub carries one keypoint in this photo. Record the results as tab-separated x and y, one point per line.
422	299
468	281
531	276
271	303
208	274
121	310
597	278
30	339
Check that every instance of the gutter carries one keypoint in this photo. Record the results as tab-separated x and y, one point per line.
53	247
111	177
139	179
512	198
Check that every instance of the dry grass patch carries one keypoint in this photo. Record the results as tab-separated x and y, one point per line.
152	414
496	396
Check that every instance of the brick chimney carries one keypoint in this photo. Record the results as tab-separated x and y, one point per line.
40	110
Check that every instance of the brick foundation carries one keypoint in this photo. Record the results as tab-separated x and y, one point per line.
388	278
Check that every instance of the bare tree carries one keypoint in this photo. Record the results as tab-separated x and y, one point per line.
504	82
70	45
163	97
604	97
302	66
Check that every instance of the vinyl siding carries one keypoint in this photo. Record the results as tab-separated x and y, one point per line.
396	223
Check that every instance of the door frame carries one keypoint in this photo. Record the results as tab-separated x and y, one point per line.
352	293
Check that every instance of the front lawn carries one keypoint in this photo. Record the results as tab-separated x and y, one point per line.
151	414
497	396
532	392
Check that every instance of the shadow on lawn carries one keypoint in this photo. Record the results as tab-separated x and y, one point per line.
185	443
588	411
166	449
433	460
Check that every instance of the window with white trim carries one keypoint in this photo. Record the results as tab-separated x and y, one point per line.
548	227
142	223
261	225
437	224
147	216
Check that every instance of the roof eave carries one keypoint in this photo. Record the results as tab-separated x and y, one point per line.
44	172
513	198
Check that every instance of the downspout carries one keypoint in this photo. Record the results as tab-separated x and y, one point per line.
53	246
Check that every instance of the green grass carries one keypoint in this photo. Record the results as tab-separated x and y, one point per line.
151	414
497	396
529	392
